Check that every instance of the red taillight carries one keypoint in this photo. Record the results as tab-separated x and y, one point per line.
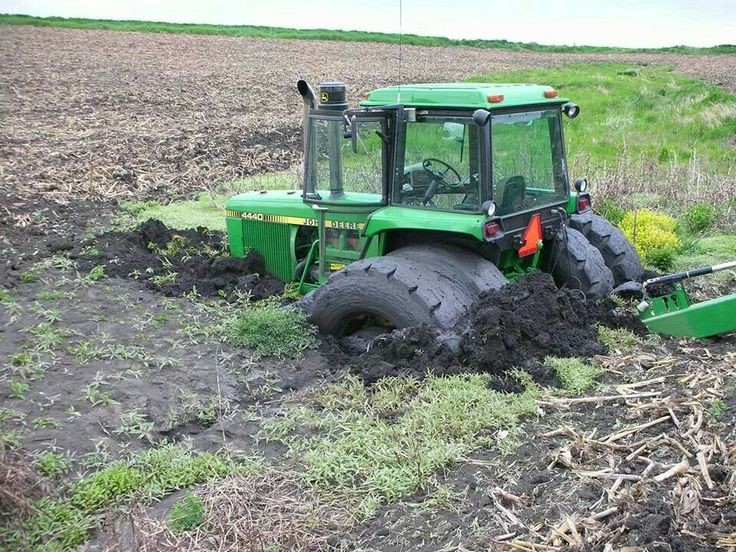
583	203
495	98
490	229
550	93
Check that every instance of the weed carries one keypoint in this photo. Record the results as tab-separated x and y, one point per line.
97	397
52	464
5	296
97	273
186	514
47	337
620	339
163	279
134	424
576	376
700	218
270	330
610	211
30	276
717	408
10	414
19	389
45	422
54	294
11	439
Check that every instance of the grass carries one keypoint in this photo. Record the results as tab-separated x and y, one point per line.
707	251
207	210
186	514
361	455
575	374
270	330
652	111
326	34
63	523
620	340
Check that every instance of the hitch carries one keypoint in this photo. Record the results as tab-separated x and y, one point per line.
672	312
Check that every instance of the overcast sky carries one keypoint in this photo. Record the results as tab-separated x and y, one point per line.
643	23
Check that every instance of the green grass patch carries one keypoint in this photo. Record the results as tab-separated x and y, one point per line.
63	523
619	339
186	514
270	330
374	446
327	34
575	374
207	210
651	111
707	251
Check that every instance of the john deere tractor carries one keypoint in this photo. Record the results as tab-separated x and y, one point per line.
422	198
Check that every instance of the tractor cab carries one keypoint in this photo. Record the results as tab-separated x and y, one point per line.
475	166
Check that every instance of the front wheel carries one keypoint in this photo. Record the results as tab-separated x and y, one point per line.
576	264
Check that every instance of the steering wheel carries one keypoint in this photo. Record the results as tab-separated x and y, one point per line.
440	177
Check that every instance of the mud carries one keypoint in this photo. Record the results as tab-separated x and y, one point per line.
177	262
516	326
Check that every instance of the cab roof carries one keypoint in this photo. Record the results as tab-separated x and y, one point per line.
464	95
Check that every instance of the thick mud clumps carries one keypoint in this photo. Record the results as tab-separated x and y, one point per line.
177	262
516	326
526	321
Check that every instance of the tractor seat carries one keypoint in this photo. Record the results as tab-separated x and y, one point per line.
513	192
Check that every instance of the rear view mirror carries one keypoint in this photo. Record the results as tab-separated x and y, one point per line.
481	117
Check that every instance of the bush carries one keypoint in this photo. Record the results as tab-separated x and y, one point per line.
270	330
653	236
700	217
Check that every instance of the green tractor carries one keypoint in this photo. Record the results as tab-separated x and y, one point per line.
422	198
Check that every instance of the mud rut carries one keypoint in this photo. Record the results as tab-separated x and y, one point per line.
68	140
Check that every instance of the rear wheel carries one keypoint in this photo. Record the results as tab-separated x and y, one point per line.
414	285
617	252
576	264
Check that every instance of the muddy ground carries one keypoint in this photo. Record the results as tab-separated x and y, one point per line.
118	363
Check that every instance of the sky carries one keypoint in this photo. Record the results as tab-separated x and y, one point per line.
629	23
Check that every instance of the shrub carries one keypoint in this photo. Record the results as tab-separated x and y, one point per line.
700	217
653	236
270	330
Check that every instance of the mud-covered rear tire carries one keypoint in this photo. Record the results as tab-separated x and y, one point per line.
414	285
617	252
576	264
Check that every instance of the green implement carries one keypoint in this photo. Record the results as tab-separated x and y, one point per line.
672	313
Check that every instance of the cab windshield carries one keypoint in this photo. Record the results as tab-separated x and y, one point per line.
528	162
440	165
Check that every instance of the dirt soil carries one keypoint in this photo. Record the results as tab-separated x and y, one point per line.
177	262
112	115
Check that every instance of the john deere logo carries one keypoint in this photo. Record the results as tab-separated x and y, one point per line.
324	97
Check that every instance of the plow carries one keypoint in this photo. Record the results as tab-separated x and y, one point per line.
427	195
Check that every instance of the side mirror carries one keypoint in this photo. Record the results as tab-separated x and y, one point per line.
481	117
581	185
571	110
350	130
